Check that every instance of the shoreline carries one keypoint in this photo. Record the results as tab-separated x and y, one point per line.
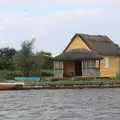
65	86
75	86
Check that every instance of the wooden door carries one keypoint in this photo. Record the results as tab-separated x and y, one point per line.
78	68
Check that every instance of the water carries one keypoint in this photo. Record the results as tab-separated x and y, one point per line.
79	104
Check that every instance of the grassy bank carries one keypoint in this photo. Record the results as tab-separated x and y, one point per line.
8	76
71	81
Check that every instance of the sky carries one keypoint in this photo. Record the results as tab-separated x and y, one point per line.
54	22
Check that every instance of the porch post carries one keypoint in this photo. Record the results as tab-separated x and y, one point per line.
58	69
99	67
99	64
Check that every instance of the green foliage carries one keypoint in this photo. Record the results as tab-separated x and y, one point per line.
45	53
9	75
48	63
26	48
45	60
39	61
23	60
6	56
47	73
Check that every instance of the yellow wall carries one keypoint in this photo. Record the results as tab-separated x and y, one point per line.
111	71
69	67
113	68
76	44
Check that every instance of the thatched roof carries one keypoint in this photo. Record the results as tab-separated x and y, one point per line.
100	44
78	54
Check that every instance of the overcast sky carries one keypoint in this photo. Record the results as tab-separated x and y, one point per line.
54	22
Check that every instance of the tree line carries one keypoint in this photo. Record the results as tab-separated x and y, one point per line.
25	60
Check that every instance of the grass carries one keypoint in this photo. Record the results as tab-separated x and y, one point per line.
50	80
68	81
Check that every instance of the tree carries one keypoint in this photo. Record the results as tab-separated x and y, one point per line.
24	59
29	63
45	53
45	60
6	56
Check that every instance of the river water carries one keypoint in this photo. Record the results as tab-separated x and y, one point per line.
67	104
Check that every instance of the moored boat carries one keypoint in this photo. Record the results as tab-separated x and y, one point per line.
11	86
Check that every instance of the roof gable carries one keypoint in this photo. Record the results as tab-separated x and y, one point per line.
98	43
76	43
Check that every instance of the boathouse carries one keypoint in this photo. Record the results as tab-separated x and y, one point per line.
88	55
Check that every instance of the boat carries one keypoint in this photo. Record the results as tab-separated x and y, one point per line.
11	86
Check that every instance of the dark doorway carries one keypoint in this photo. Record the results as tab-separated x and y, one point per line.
78	68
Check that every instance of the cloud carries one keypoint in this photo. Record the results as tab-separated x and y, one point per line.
75	14
2	27
16	27
57	3
59	20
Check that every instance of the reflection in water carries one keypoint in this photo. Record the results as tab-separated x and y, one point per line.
80	104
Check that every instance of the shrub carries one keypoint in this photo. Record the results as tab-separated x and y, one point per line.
9	75
47	74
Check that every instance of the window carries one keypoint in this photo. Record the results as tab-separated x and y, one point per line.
106	62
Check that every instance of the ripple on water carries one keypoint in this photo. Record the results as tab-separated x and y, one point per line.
80	104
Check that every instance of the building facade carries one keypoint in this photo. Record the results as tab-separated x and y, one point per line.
88	55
